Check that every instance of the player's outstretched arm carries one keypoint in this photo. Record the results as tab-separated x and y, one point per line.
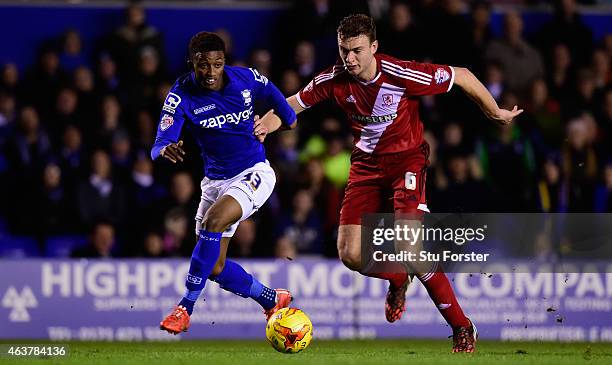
466	80
293	102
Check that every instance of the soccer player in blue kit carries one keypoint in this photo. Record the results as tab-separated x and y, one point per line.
217	104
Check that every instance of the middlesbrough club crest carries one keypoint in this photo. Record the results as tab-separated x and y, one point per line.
387	99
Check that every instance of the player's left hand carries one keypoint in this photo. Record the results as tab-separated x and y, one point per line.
259	130
504	116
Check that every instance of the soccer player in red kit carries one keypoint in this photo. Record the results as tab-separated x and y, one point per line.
379	95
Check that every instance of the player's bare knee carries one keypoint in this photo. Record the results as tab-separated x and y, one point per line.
351	263
216	223
350	258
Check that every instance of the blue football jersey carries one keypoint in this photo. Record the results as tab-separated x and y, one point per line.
221	121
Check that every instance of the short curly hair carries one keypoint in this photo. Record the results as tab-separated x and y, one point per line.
205	42
355	25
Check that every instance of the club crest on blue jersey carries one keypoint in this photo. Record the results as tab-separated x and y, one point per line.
246	95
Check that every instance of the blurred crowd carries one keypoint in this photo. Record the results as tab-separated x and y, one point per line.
76	130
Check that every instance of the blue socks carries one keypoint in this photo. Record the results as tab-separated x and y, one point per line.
203	260
235	279
263	295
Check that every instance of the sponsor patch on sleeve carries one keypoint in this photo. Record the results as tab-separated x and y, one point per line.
166	122
171	103
441	75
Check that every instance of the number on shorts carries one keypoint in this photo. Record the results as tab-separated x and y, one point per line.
253	179
410	180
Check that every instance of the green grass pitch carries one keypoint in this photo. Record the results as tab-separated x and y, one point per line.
379	352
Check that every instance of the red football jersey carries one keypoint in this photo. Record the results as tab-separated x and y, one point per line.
384	112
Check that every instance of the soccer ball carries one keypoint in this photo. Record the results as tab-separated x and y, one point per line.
289	330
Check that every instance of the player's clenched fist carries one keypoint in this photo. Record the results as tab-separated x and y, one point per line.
173	152
259	128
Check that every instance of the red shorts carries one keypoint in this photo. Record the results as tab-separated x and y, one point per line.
385	184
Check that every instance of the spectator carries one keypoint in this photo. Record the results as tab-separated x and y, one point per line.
261	60
605	121
72	56
567	28
66	113
302	225
101	242
110	122
449	13
153	246
584	98
305	60
56	209
99	196
561	76
144	83
494	79
9	80
178	238
44	81
71	156
127	42
30	146
7	114
607	44
601	69
145	195
453	139
107	79
579	163
290	82
182	195
544	118
480	33
286	153
337	161
285	248
243	242
462	193
145	131
521	62
551	188
603	193
85	88
327	196
121	155
401	36
509	163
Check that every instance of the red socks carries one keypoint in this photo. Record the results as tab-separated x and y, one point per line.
442	294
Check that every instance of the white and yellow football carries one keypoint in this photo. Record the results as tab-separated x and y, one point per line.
289	330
